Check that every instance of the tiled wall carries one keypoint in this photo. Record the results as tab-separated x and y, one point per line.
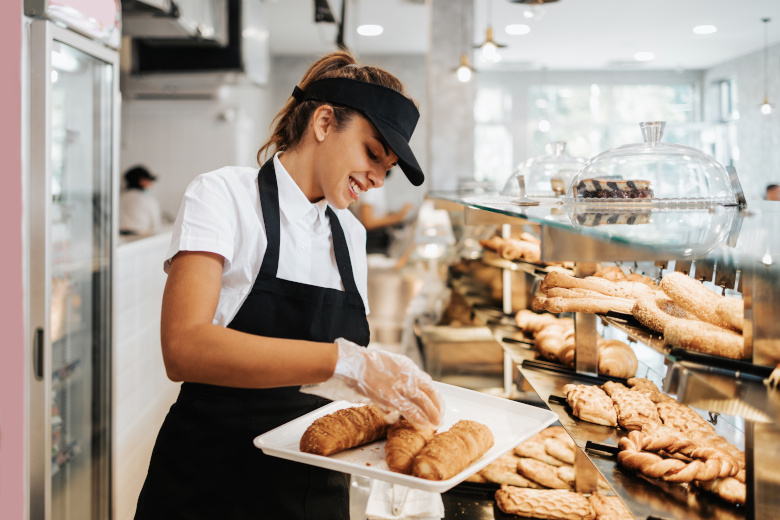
142	392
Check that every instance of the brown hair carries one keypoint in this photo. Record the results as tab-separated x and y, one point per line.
293	118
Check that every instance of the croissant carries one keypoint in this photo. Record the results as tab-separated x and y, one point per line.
344	429
450	452
404	442
617	359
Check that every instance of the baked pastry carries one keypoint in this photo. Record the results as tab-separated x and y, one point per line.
344	429
404	442
682	417
513	249
641	278
609	507
538	451
728	488
541	473
450	452
560	449
617	359
612	273
634	410
625	289
591	305
703	337
503	470
532	322
648	389
732	311
591	404
592	219
694	297
606	188
656	312
549	504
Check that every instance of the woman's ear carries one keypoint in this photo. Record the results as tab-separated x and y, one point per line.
322	121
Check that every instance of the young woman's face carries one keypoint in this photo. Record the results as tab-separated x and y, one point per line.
353	160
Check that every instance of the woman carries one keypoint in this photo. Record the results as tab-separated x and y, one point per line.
254	308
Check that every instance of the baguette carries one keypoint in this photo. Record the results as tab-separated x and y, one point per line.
703	337
344	429
600	285
553	292
732	311
450	452
694	297
591	305
404	442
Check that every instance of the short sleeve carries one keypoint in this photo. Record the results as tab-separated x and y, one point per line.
206	221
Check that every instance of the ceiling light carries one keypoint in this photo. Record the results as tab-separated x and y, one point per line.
370	30
489	48
705	29
517	29
644	56
465	70
766	107
544	126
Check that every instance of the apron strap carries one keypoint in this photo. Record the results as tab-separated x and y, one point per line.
269	200
342	252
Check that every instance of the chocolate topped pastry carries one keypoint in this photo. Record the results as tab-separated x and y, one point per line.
605	188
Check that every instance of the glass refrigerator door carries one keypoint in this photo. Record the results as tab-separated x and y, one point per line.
76	188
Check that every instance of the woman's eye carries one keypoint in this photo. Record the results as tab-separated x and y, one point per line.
370	154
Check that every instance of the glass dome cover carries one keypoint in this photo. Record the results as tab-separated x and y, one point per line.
546	175
651	173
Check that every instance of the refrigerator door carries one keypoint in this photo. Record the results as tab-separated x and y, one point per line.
73	113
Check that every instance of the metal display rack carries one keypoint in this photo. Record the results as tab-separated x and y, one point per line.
730	248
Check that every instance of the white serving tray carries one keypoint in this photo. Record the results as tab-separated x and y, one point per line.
509	421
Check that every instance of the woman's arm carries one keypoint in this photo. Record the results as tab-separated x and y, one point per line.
370	221
196	350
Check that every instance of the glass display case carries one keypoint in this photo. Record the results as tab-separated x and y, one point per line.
546	175
652	173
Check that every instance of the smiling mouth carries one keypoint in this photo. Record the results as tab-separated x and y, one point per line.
355	188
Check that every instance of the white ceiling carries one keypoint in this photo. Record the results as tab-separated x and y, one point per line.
572	34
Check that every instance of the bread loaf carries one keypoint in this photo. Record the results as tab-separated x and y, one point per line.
562	292
656	312
450	452
703	337
404	442
732	311
344	429
627	290
694	297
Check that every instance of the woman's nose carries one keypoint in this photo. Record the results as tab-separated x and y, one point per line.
377	178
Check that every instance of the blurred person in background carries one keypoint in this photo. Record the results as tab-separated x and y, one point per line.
372	211
139	210
773	192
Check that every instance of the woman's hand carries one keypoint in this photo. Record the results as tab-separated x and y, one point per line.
390	381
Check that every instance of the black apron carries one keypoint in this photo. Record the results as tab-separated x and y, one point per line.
204	465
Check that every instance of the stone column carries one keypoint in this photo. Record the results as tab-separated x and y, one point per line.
450	103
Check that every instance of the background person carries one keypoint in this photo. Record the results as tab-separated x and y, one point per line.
139	210
266	292
773	192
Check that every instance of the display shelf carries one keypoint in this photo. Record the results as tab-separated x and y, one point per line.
644	497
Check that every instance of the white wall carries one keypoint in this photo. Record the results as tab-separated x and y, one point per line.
758	136
178	139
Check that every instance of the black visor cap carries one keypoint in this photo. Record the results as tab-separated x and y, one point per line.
393	114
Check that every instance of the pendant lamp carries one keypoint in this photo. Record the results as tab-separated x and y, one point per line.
464	70
488	50
766	107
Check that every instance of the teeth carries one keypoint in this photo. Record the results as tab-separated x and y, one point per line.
355	187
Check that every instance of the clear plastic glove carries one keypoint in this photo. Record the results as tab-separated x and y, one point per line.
391	382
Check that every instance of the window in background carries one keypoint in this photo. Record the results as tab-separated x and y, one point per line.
492	138
594	118
727	150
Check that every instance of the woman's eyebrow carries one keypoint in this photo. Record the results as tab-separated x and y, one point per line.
383	143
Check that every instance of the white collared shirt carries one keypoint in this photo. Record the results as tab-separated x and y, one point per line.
220	213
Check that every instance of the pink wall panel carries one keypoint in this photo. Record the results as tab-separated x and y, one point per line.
12	367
